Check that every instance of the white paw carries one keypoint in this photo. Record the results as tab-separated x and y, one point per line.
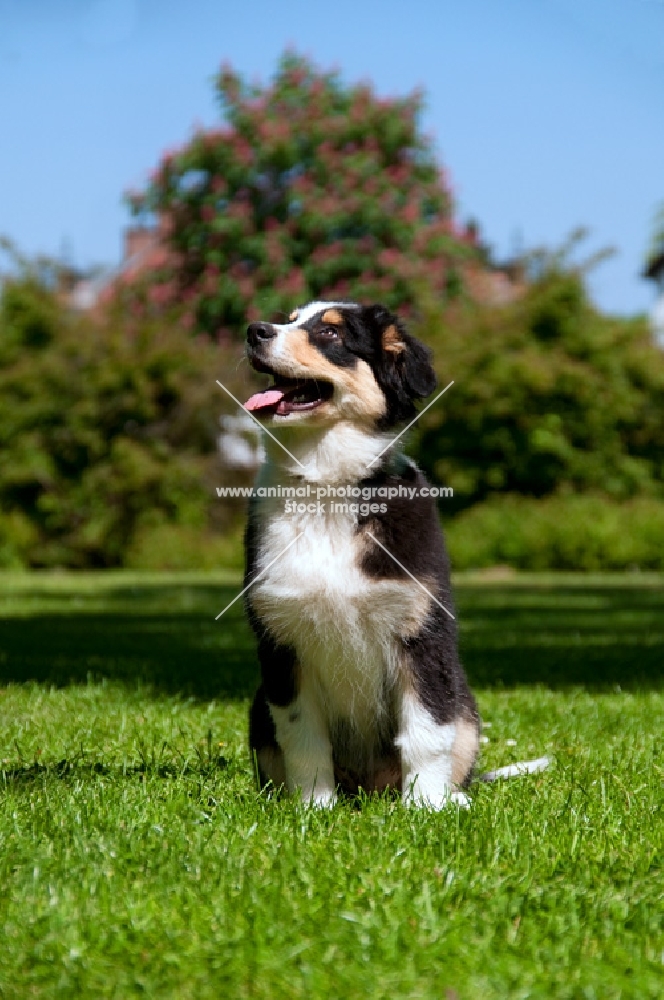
319	798
320	801
460	800
435	798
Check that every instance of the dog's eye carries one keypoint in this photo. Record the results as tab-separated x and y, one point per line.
329	332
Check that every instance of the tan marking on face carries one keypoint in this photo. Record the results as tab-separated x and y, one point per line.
392	341
358	395
333	316
293	316
464	751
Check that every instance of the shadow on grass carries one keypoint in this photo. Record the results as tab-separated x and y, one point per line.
27	773
165	635
558	636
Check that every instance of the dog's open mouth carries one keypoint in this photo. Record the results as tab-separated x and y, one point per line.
289	395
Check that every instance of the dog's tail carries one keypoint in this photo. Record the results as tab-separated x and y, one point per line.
517	770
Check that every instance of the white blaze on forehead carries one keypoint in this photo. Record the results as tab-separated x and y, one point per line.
312	309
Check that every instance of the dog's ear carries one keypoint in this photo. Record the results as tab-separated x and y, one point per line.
418	374
403	363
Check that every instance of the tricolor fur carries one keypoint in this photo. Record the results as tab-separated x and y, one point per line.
361	681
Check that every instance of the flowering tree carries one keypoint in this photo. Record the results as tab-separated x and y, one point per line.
309	189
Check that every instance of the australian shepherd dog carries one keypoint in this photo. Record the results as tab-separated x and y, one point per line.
362	687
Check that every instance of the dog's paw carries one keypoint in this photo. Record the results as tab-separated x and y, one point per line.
323	799
438	798
459	799
323	803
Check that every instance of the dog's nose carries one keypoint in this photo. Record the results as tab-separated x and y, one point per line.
257	332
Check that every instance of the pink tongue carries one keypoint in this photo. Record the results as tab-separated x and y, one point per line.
267	398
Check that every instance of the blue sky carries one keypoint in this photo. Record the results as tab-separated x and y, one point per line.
546	113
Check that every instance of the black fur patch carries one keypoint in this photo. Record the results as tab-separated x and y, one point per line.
334	348
262	733
410	530
440	681
278	669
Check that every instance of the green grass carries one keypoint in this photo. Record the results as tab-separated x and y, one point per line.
137	859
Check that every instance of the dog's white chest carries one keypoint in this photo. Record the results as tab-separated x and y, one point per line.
342	623
315	586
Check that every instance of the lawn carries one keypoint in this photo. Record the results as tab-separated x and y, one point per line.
138	860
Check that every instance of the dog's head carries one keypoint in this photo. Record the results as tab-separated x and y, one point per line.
339	361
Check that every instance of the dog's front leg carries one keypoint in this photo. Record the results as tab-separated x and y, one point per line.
303	737
426	756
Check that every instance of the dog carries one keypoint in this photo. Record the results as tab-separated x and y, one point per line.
362	686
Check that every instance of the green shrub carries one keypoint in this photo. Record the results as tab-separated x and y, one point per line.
561	532
181	547
550	395
18	537
108	430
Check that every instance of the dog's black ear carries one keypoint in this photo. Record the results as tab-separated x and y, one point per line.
403	364
418	374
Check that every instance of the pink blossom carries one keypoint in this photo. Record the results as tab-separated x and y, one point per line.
411	212
160	295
